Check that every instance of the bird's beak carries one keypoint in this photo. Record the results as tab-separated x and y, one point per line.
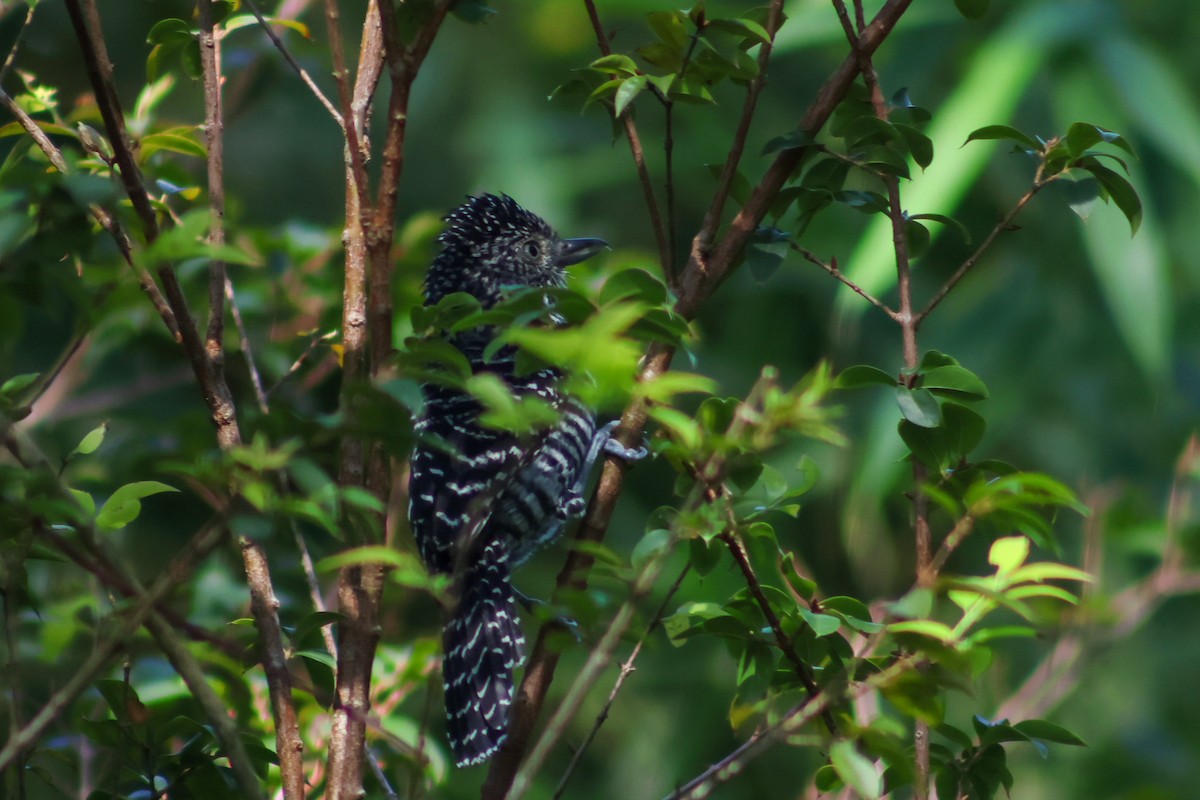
573	251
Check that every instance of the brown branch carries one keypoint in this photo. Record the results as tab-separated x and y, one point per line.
657	224
832	269
16	45
265	608
1005	224
367	331
210	64
782	640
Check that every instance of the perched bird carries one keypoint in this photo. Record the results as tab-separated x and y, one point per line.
483	500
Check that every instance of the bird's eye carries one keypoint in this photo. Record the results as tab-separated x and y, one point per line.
532	250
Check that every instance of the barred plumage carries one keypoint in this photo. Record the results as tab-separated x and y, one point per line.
482	500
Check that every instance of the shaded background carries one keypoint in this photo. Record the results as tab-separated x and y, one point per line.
1088	339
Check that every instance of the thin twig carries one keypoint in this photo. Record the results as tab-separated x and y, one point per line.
16	45
287	55
782	640
626	670
260	396
1005	224
832	268
657	224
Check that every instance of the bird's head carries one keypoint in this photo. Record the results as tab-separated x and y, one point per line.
491	242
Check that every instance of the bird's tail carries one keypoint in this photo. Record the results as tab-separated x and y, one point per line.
483	644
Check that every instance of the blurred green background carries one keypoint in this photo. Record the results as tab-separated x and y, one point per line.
1088	339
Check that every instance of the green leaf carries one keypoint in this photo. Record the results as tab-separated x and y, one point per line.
18	383
1049	732
90	443
919	407
860	375
855	769
171	32
1009	553
1122	193
1082	135
626	93
633	283
925	627
954	381
615	64
788	141
918	238
653	545
377	554
1004	132
124	505
948	221
172	142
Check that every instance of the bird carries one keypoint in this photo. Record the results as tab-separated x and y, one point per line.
481	500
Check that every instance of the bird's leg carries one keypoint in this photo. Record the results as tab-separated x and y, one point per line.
572	503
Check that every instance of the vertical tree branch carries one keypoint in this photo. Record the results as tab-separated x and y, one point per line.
214	125
265	607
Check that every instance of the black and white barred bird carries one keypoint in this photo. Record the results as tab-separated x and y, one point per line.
483	500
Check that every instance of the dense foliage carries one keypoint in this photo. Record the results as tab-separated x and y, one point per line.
908	328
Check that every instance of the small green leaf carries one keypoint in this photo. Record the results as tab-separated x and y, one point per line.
956	381
1004	132
855	769
1082	135
1009	553
1122	193
615	64
626	93
925	627
171	32
788	141
860	375
172	142
124	505
388	556
18	383
919	407
90	443
1049	732
918	238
